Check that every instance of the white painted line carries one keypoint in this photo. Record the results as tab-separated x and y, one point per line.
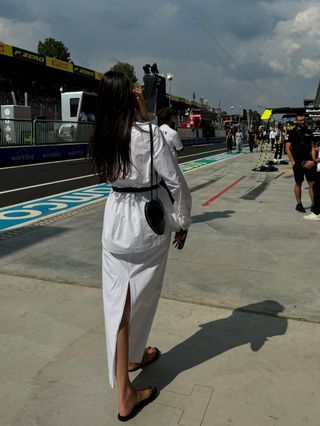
45	184
205	152
46	163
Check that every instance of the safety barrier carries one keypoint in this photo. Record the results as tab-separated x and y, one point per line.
15	132
52	132
56	132
43	132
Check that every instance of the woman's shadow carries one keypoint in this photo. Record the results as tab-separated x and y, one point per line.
252	324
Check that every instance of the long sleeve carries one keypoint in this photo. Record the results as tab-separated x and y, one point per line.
167	167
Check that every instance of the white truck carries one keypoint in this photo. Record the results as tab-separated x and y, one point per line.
77	107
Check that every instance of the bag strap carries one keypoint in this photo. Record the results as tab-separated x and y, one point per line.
151	153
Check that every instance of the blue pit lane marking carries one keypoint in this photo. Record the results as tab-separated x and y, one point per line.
32	211
29	212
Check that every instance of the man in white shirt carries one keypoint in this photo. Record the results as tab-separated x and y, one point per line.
171	136
272	136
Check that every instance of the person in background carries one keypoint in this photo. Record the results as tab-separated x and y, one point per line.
299	147
272	136
278	145
171	136
251	138
315	214
133	256
239	139
229	139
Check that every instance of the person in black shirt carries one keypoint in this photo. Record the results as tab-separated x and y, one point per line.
299	147
229	139
251	138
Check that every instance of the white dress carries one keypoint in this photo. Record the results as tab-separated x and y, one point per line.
133	256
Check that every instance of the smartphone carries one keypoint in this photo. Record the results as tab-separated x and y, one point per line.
179	244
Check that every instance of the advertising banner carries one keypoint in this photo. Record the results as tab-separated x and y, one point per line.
84	71
99	75
36	58
60	65
5	49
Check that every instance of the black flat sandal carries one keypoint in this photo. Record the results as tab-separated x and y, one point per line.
144	364
139	405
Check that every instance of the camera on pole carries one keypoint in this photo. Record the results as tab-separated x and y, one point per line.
154	88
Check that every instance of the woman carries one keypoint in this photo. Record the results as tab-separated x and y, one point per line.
134	257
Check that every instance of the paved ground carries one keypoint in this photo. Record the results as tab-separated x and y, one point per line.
238	321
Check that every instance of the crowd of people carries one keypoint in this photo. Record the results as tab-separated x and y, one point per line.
258	138
302	146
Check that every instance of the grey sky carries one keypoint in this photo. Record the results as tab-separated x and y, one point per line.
247	52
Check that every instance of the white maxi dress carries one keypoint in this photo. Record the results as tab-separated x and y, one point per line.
133	256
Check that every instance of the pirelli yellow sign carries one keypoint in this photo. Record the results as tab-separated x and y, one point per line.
5	49
99	75
60	65
16	52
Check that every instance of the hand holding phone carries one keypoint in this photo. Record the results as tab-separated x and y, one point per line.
180	238
141	104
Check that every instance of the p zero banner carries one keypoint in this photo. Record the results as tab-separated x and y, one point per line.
5	49
84	71
28	56
60	65
36	58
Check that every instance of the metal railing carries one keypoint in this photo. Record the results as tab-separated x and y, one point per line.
43	132
15	132
47	132
52	132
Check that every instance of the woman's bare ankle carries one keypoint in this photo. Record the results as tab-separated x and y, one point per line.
127	400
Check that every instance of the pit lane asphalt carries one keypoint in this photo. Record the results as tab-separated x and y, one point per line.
22	183
237	324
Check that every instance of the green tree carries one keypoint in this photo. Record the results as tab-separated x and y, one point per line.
126	69
54	48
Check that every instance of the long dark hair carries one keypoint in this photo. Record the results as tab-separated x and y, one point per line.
109	147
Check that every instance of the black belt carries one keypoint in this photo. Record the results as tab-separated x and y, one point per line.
133	190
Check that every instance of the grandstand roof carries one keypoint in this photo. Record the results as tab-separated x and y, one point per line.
35	58
38	63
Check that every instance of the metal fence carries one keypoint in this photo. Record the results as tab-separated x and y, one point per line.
43	132
51	132
15	132
54	132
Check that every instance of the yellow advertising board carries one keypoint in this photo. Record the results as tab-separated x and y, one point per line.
18	53
99	75
267	113
5	49
60	65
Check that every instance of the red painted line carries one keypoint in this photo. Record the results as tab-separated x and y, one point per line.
211	200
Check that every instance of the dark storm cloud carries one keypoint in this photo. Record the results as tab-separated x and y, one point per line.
216	47
14	10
